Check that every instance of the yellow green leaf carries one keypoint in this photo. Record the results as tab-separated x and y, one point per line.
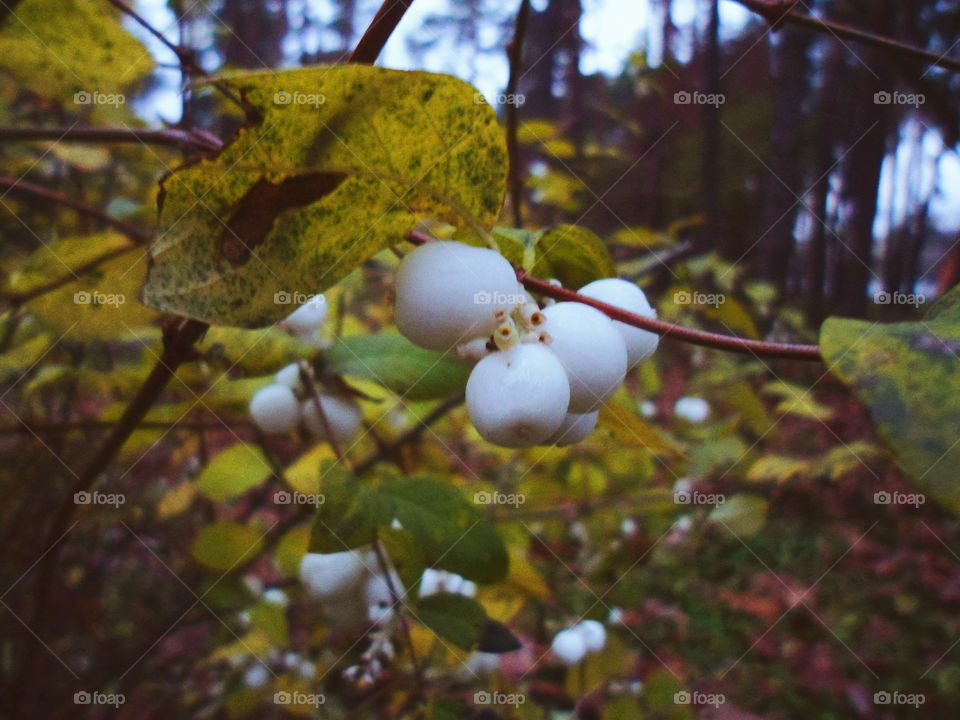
344	161
224	545
233	472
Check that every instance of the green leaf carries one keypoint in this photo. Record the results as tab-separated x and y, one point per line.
448	528
778	468
255	352
350	514
573	255
743	515
224	545
233	472
344	161
455	618
908	375
399	365
447	531
47	46
495	637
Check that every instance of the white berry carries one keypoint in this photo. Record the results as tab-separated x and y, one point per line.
594	634
627	296
274	409
448	293
569	647
343	414
692	409
289	376
591	351
379	598
518	397
330	575
308	317
574	428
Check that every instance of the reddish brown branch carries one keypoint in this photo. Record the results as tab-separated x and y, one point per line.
30	190
664	329
775	11
379	31
193	140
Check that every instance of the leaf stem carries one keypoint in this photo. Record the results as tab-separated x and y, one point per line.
379	31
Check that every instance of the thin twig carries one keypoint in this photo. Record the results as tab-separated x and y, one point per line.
773	11
30	190
379	31
328	429
411	435
184	55
515	56
184	140
396	600
717	341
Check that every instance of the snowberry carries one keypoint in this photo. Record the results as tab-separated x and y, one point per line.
256	676
276	596
448	293
330	575
626	296
518	397
574	428
692	409
379	598
274	409
591	351
289	376
569	647
308	317
343	414
594	634
437	581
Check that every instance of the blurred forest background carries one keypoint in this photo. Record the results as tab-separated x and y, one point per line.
796	174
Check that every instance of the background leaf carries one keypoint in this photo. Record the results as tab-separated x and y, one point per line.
908	375
399	365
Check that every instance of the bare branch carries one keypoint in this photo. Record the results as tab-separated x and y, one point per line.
193	140
728	343
30	190
379	31
775	11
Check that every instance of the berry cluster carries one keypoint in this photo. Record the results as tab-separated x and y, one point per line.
588	636
541	373
281	406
